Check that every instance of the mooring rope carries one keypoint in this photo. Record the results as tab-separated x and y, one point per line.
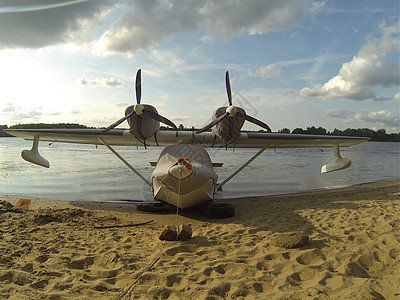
177	205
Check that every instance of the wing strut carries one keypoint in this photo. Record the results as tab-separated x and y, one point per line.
219	186
125	162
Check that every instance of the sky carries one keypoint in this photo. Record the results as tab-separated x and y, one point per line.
292	63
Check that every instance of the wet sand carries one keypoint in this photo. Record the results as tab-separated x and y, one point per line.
56	250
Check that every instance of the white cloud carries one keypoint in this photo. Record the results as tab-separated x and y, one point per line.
268	71
164	57
371	119
23	27
230	18
338	113
397	97
19	115
107	82
147	23
373	66
127	26
383	99
318	6
381	117
8	108
121	104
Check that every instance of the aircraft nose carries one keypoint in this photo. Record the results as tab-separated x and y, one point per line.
179	171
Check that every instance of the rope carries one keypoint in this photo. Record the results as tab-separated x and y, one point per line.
177	206
129	289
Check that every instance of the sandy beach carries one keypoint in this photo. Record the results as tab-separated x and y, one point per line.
73	250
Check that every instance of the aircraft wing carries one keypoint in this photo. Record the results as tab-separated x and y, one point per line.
77	136
283	140
164	138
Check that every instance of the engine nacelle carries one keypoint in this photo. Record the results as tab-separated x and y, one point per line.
142	125
229	128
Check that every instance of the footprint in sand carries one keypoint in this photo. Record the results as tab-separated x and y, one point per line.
353	269
173	279
313	257
179	249
81	264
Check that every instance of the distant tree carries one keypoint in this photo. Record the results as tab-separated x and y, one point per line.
313	130
284	130
379	135
2	133
298	131
48	126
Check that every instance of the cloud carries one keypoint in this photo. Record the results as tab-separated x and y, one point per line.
230	18
372	67
121	104
8	108
318	6
107	82
147	23
164	57
20	115
39	24
35	5
376	118
338	113
383	99
133	31
127	26
382	117
268	71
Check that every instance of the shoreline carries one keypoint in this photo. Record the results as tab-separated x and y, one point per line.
55	251
12	198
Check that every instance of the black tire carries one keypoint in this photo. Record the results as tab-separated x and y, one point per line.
219	210
157	207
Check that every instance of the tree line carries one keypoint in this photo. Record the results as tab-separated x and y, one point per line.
379	135
41	126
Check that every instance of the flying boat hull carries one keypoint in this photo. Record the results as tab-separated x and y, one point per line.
175	184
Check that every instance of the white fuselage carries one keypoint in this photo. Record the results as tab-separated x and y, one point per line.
174	183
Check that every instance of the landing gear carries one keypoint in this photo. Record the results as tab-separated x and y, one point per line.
156	207
219	210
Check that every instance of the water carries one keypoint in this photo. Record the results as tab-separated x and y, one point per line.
84	172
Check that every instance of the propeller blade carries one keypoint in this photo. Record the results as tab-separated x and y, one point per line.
258	122
115	124
212	123
159	118
228	88
138	86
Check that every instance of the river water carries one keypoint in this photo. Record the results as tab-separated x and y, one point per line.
84	172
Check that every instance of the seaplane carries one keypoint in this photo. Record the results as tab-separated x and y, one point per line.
184	174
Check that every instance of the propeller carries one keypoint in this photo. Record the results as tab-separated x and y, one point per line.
139	109
232	111
228	88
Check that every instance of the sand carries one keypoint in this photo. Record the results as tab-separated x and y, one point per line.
55	251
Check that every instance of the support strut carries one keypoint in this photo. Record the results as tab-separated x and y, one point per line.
219	186
125	162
